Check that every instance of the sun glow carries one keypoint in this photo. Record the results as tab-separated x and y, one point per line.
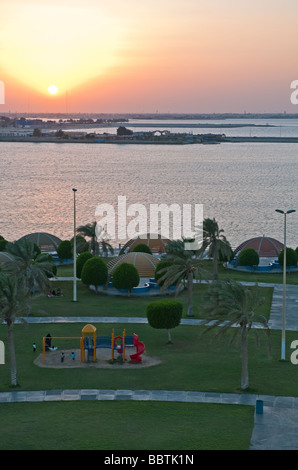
53	89
81	47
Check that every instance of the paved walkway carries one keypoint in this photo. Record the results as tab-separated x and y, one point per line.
274	429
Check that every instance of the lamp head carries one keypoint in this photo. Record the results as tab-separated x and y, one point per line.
290	211
74	189
280	211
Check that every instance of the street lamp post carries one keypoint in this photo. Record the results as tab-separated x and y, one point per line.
74	248
283	332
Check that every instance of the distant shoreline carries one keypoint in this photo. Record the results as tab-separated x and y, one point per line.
156	141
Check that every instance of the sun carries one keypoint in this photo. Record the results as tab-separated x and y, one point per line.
53	89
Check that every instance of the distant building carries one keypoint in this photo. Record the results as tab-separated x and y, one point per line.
22	122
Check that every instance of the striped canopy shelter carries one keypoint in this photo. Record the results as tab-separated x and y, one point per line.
266	247
45	241
145	263
155	242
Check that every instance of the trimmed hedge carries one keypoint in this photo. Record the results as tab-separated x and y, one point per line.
164	314
291	257
249	257
81	244
64	250
126	276
94	272
142	248
81	260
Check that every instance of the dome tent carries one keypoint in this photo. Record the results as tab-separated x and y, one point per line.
155	242
145	263
45	241
266	247
268	250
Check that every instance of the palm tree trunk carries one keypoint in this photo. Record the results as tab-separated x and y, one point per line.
13	360
189	294
169	337
215	262
244	357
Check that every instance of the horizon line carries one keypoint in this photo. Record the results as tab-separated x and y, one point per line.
155	114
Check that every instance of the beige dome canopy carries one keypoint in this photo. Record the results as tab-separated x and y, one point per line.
145	263
155	242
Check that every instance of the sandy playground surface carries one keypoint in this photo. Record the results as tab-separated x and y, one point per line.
103	360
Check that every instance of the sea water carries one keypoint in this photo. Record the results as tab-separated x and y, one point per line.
240	184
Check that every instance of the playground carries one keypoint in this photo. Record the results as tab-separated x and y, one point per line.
103	361
95	351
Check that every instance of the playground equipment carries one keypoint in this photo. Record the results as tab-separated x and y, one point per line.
46	343
90	342
117	344
140	349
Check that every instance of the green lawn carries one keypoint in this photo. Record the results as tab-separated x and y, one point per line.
192	362
91	304
124	426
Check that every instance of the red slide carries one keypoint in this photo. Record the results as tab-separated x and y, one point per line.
140	349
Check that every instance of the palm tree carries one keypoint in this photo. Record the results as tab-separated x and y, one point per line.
215	242
231	304
10	307
21	277
94	232
184	266
104	242
32	272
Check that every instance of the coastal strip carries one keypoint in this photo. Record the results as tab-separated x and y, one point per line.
174	139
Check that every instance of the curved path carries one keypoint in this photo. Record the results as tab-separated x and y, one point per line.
275	429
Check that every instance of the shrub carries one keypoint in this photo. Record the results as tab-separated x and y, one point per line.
291	257
81	244
142	248
64	250
94	272
126	276
81	260
164	314
249	257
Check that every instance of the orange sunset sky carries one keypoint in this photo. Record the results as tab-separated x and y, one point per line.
139	56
